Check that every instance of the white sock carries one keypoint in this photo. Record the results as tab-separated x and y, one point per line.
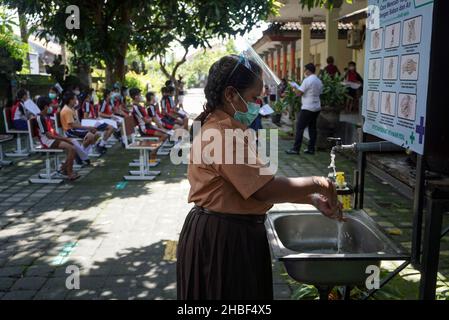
80	150
88	149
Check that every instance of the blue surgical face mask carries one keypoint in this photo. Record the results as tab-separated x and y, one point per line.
52	95
249	116
50	110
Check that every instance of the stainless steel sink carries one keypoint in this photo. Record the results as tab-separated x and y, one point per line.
307	243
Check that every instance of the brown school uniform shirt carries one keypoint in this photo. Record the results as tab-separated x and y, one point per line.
226	188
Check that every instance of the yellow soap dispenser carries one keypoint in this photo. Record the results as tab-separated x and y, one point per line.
343	192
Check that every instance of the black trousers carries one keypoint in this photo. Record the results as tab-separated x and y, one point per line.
304	119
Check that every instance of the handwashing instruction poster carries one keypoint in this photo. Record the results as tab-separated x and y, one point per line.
398	39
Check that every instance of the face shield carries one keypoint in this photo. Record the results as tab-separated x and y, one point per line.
264	73
248	54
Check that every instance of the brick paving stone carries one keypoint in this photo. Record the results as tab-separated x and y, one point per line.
19	295
6	283
29	283
13	272
39	271
54	294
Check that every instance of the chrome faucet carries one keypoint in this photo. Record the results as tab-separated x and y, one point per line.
379	146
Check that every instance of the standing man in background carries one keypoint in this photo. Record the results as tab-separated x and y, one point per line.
310	91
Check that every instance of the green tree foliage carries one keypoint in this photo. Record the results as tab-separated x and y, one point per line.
109	27
11	44
322	3
197	68
334	91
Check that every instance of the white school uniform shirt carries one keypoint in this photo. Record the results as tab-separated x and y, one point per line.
139	116
43	129
18	115
312	88
153	112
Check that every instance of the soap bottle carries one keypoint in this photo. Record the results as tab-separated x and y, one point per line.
343	192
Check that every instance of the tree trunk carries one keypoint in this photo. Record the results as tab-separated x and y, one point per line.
84	75
108	75
120	68
120	59
116	69
24	35
172	75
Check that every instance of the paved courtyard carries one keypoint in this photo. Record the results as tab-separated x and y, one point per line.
122	236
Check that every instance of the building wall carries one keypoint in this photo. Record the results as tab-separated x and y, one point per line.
344	55
318	54
358	56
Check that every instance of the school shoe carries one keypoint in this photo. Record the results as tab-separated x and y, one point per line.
292	151
307	151
78	160
101	150
82	163
117	135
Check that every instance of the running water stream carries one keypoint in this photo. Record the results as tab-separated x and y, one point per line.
339	236
333	176
332	166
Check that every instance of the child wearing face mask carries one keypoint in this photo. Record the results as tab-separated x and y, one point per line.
88	108
49	139
223	252
19	113
146	127
168	109
352	75
106	112
53	94
154	114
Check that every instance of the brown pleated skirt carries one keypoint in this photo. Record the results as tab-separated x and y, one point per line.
223	257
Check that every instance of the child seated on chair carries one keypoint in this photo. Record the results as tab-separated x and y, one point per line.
88	107
73	128
176	110
118	102
145	125
168	111
106	111
49	139
154	111
20	115
89	112
154	114
53	94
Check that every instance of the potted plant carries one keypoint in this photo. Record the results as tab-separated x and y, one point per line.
278	107
293	104
333	100
293	101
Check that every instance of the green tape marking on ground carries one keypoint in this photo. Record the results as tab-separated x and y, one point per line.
121	185
63	255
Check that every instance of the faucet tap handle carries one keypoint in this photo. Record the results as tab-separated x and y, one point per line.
336	140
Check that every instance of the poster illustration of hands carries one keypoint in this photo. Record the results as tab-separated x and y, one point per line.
398	42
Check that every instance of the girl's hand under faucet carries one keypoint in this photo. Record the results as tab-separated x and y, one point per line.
332	211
